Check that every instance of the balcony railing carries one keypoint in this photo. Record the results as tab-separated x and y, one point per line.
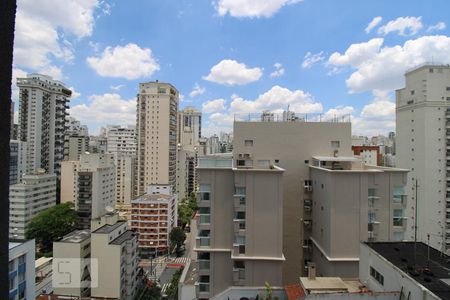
399	222
400	199
239	225
203	287
203	241
204	219
203	264
238	275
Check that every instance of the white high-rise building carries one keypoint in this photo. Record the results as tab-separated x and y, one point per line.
21	270
43	104
189	127
27	199
17	159
423	146
121	142
90	183
157	112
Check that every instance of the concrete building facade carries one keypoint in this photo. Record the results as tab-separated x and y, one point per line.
291	146
351	202
17	160
189	126
21	270
27	199
423	146
239	231
153	216
90	184
156	125
114	247
43	104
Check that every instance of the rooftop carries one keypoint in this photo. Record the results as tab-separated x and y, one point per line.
127	235
432	273
329	285
76	236
346	164
290	116
153	197
109	228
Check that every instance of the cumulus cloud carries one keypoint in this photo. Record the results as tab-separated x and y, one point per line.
279	70
230	72
310	59
436	27
16	73
105	109
117	87
213	106
196	91
129	62
382	68
44	27
374	23
251	8
403	26
75	94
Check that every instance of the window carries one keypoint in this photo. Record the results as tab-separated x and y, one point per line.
240	215
398	217
377	276
239	264
448	88
335	144
372	217
239	190
412	92
399	236
248	143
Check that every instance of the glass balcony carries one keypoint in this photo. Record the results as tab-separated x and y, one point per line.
400	199
203	287
203	241
203	264
204	219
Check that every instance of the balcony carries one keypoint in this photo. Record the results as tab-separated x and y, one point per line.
203	266
204	198
399	222
202	241
307	205
202	290
239	226
204	219
400	199
239	202
238	250
239	276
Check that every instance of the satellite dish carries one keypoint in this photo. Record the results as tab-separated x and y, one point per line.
109	209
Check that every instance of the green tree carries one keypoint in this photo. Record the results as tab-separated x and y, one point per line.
51	225
177	238
186	209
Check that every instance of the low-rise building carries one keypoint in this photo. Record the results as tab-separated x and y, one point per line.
21	270
43	270
114	248
153	216
27	199
370	155
416	270
75	246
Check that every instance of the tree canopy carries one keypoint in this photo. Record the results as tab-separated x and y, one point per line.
51	225
187	209
177	237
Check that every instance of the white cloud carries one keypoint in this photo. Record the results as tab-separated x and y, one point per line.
129	62
310	59
117	87
43	28
230	72
196	91
16	73
213	106
437	26
103	109
383	68
403	25
279	70
75	94
277	99
251	8
374	23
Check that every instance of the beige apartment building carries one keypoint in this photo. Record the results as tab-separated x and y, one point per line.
43	104
153	216
290	145
423	146
351	202
75	146
156	125
239	240
36	193
121	141
75	245
114	247
90	183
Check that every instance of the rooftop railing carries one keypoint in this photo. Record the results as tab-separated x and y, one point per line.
291	117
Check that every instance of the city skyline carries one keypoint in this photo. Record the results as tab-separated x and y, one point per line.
232	73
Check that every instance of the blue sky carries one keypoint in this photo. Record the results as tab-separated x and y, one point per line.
233	56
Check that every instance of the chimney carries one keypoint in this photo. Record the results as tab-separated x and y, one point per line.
311	271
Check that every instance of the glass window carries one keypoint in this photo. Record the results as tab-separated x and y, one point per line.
371	192
239	190
240	215
372	217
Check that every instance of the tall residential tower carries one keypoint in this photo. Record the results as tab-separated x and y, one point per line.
156	125
43	104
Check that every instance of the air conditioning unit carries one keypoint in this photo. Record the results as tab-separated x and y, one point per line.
307	223
247	155
241	155
308	188
307	208
307	202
